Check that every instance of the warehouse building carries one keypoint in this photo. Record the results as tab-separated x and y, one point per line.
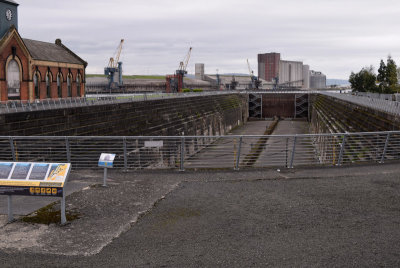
317	80
292	74
33	70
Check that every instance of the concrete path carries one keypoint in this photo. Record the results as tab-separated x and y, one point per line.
278	150
318	217
222	153
24	205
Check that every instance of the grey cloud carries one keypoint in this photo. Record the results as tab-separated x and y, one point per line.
335	37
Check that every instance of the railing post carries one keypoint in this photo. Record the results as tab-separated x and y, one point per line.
341	150
238	153
293	152
13	149
286	152
182	166
68	148
125	155
385	149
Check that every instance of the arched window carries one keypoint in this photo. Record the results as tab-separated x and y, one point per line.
36	85
59	85
69	85
13	79
78	85
48	85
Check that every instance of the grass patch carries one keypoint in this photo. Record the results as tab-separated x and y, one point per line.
96	75
50	214
158	77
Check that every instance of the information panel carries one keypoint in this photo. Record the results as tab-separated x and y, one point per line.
106	160
34	179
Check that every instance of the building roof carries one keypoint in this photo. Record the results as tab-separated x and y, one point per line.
10	2
51	52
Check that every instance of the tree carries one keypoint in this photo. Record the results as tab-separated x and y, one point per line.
364	81
391	76
387	77
382	76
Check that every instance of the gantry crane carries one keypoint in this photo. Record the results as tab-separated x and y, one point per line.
175	81
114	69
255	82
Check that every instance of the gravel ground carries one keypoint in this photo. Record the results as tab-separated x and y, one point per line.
303	217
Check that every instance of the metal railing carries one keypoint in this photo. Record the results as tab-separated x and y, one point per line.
387	106
14	106
95	99
390	97
205	152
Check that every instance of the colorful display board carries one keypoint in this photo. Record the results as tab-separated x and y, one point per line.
34	179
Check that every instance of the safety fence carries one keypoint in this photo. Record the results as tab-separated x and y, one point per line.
387	106
207	152
95	99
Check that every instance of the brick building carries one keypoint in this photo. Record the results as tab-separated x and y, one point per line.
32	70
293	74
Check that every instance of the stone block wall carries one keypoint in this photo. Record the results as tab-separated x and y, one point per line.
331	115
199	115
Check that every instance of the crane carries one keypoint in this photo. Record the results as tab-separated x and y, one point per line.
175	81
255	82
183	64
114	69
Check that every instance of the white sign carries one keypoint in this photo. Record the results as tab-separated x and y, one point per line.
106	160
156	144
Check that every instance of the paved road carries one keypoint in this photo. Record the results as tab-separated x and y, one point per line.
320	217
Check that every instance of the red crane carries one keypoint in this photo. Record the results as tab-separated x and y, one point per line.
175	81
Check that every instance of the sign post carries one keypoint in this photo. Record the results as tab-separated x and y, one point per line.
106	161
34	179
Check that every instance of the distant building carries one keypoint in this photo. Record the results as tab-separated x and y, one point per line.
32	69
268	66
317	80
199	71
286	73
306	76
291	73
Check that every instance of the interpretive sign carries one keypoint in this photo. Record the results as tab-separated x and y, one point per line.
106	160
153	144
35	179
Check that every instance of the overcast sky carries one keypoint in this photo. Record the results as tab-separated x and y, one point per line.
332	36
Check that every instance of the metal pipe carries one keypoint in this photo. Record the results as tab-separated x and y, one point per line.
341	150
385	148
182	167
238	154
105	178
67	147
293	152
125	154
